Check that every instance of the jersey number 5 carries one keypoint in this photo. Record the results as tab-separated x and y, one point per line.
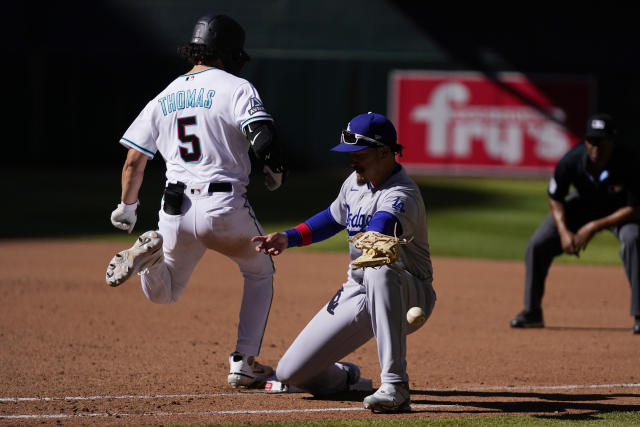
195	153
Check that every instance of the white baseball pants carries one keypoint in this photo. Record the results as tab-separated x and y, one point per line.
224	222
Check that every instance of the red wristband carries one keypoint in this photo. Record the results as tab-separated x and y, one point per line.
305	233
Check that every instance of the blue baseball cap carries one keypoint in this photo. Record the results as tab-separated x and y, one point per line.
365	131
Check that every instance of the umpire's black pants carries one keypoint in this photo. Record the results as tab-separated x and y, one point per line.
545	245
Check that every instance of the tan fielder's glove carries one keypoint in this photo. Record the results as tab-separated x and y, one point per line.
377	249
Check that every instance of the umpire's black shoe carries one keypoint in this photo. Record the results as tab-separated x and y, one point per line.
636	327
528	319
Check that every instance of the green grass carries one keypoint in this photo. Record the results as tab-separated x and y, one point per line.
600	419
494	218
467	217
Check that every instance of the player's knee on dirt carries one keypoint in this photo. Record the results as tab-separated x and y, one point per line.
288	373
295	369
299	376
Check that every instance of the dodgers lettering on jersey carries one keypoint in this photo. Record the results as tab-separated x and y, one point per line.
399	196
196	124
357	222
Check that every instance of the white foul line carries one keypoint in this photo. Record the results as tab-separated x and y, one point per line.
204	413
262	411
126	396
205	396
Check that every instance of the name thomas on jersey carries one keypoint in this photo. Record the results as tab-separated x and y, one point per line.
186	99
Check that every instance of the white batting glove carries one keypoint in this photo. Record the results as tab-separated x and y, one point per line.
273	180
124	216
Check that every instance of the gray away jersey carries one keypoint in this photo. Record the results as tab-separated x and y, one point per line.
196	124
400	196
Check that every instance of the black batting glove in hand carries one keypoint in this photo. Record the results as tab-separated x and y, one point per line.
125	216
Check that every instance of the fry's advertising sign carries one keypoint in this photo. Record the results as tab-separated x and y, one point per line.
468	123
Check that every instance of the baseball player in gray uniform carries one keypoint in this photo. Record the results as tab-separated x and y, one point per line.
204	124
373	301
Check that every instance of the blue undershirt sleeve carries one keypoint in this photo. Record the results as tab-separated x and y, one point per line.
319	227
385	223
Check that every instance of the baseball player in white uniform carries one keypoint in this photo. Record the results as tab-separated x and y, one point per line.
378	196
204	124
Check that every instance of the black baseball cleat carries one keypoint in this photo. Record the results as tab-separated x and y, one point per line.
528	319
636	327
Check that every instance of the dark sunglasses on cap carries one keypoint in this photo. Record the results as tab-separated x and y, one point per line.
348	137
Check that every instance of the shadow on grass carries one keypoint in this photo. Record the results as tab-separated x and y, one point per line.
525	403
553	406
59	203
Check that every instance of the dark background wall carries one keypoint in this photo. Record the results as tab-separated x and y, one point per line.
77	73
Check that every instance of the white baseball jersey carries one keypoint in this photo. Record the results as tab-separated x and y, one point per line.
196	124
400	196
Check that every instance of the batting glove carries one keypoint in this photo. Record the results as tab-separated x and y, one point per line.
273	180
124	216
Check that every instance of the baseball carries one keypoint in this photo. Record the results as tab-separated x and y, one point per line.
415	316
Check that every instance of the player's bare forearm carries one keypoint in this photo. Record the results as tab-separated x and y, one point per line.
132	175
271	244
566	236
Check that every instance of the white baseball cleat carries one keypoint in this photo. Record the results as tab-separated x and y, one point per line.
390	397
146	252
244	371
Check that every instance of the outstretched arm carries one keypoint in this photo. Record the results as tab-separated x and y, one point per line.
272	244
317	228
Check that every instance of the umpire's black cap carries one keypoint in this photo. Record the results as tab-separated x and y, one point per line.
600	126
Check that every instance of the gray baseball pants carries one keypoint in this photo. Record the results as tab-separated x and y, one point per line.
377	308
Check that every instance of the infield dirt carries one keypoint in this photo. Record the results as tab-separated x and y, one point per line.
77	352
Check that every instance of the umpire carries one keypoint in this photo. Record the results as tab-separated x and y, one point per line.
605	195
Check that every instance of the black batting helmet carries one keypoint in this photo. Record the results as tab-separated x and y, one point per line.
222	37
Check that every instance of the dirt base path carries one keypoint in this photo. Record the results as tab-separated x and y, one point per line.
76	352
